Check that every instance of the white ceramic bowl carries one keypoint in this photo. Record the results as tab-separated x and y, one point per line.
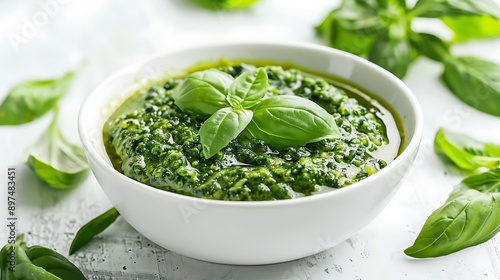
250	233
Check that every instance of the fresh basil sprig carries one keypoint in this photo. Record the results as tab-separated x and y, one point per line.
280	121
35	262
381	32
93	228
32	99
56	161
471	215
466	152
224	4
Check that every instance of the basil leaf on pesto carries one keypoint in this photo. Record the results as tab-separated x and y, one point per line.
468	218
203	93
464	151
30	100
222	127
248	89
35	262
93	228
475	81
392	50
56	161
453	8
284	121
466	28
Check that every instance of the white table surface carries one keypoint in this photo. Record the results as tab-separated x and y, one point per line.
108	35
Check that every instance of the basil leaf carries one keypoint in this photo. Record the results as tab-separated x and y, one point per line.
222	127
248	89
285	120
32	99
392	51
430	46
476	82
353	27
36	262
472	27
56	161
453	8
203	92
485	182
468	218
93	228
466	152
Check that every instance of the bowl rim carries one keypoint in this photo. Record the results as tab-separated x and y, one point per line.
403	157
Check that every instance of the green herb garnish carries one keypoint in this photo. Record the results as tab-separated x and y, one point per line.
224	4
56	161
232	106
35	262
93	228
471	215
381	32
30	100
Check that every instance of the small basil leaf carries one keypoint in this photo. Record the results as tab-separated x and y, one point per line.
453	8
485	182
468	218
430	46
476	82
93	228
353	27
472	27
222	127
392	51
30	100
203	92
56	161
248	89
285	121
466	152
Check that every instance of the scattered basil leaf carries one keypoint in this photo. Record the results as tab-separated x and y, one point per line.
476	82
30	100
486	182
56	161
466	152
430	46
203	93
453	8
93	228
466	28
468	218
392	50
222	127
36	262
248	89
353	27
285	120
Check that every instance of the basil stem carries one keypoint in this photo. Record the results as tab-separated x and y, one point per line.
30	100
35	262
56	161
93	228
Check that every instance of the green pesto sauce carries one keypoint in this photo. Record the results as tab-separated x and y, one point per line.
152	141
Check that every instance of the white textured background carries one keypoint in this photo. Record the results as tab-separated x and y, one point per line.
107	35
